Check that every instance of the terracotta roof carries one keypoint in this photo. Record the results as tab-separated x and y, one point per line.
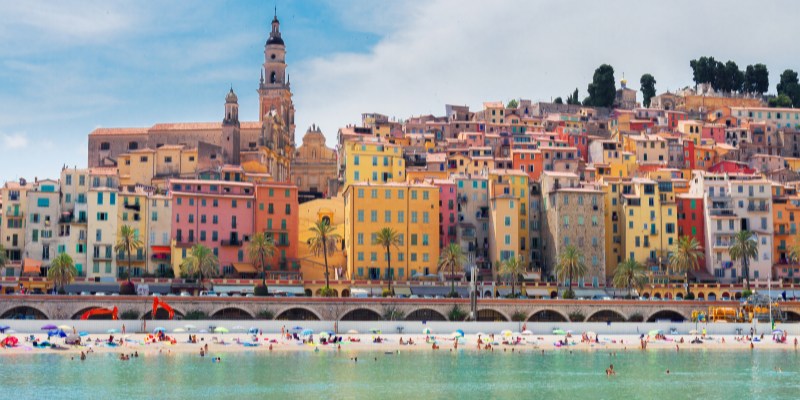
186	126
118	131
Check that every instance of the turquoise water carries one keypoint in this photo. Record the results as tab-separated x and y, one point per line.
418	375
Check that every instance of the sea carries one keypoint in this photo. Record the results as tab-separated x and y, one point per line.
418	375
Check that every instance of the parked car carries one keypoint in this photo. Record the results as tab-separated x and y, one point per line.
207	293
185	294
100	294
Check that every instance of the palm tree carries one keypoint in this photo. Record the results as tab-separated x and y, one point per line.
793	256
570	265
744	248
630	274
686	257
62	271
202	262
512	268
453	258
324	240
260	247
386	238
128	241
3	258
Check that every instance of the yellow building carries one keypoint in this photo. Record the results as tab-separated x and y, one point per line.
154	167
412	210
648	149
612	188
313	267
374	162
132	210
650	218
508	215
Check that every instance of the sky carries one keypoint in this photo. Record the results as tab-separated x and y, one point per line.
68	67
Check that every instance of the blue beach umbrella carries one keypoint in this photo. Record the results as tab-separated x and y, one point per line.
307	332
460	332
83	333
159	329
297	328
49	327
252	330
4	328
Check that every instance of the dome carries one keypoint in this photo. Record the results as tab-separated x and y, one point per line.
231	97
275	40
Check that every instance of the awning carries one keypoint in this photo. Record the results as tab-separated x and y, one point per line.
225	289
365	291
537	292
297	290
160	249
589	293
31	266
244	268
438	291
402	290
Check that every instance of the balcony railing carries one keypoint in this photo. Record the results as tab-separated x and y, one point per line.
758	207
134	207
134	257
232	242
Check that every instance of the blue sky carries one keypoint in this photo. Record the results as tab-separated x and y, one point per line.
67	67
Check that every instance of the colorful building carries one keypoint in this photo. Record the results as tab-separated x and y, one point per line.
276	214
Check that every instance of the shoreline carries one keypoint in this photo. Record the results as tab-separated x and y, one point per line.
135	343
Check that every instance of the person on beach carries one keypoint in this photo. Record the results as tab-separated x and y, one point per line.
610	370
123	329
83	356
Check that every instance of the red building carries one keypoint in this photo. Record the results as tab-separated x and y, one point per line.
690	217
448	210
731	167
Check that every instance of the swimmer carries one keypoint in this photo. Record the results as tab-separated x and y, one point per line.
667	371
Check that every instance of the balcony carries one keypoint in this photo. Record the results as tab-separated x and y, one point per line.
232	242
758	207
722	212
722	244
134	257
134	207
282	243
65	218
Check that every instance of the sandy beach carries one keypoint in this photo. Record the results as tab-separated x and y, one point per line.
274	343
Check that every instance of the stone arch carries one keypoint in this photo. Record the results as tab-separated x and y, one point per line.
491	315
547	316
318	293
345	292
701	296
362	314
792	316
231	313
297	314
308	292
657	295
80	313
425	314
162	314
24	312
737	296
672	315
726	295
646	296
712	296
487	293
605	316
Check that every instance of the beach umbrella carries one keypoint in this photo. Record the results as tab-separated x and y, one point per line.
159	329
457	334
559	332
693	332
83	333
4	328
353	332
189	327
426	331
64	327
112	330
777	332
375	331
179	330
49	327
221	329
307	332
253	330
203	331
238	328
506	333
460	332
527	333
297	328
655	332
324	335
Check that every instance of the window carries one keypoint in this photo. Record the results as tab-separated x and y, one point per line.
387	216
401	217
360	215
507	221
373	216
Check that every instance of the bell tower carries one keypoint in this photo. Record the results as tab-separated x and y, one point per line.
274	87
231	135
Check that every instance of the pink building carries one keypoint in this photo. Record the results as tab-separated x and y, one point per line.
714	131
448	211
216	214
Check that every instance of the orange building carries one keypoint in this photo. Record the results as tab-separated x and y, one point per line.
277	212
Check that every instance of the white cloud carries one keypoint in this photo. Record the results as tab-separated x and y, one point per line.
14	141
467	52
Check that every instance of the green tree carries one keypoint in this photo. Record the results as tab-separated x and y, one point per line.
648	83
602	90
728	77
513	103
789	86
128	241
201	263
512	268
260	247
558	100
569	266
573	98
3	257
686	257
62	271
782	100
323	240
388	238
630	274
743	249
756	79
703	70
452	258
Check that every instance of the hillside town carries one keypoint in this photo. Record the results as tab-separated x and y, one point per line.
689	192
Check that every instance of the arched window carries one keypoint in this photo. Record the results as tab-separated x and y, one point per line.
272	77
326	219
